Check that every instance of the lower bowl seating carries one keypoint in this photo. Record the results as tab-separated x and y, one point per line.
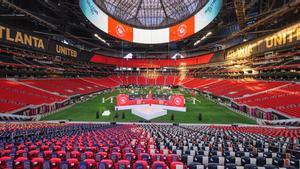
75	145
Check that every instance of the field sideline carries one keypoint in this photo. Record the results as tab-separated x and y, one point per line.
211	112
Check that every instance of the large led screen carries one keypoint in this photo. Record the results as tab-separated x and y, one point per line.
125	32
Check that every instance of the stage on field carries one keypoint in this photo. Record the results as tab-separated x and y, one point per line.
150	106
150	112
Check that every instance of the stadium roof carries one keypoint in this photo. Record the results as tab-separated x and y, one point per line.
150	13
63	20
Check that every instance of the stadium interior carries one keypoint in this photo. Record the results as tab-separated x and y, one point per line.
139	84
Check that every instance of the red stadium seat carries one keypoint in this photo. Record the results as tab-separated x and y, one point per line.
33	154
55	163
177	165
69	148
127	150
73	163
89	155
140	164
172	158
139	150
102	155
47	154
159	165
3	161
5	152
129	156
20	153
90	163
22	147
44	148
104	149
116	150
37	163
19	163
106	164
57	148
61	155
158	157
144	156
123	164
75	154
115	157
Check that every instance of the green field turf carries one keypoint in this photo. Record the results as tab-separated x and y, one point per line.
211	112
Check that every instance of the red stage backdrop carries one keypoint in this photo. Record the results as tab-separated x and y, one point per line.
122	100
176	100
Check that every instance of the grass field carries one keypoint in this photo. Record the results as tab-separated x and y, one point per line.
211	112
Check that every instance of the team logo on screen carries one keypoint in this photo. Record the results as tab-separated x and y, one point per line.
120	30
177	101
182	30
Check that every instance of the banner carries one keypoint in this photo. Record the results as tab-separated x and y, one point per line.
182	30
16	37
152	63
122	99
20	38
175	100
285	37
119	30
62	49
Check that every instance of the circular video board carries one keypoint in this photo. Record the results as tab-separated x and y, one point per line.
173	33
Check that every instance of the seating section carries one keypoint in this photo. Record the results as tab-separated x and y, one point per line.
170	80
160	80
104	82
276	95
116	79
22	63
124	80
132	80
141	80
152	81
7	106
182	81
15	95
282	97
65	86
239	88
197	83
285	99
53	145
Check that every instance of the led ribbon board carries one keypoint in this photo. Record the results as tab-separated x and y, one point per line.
151	36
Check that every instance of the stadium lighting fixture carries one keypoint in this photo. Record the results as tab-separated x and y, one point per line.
204	37
65	42
128	56
102	40
177	55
